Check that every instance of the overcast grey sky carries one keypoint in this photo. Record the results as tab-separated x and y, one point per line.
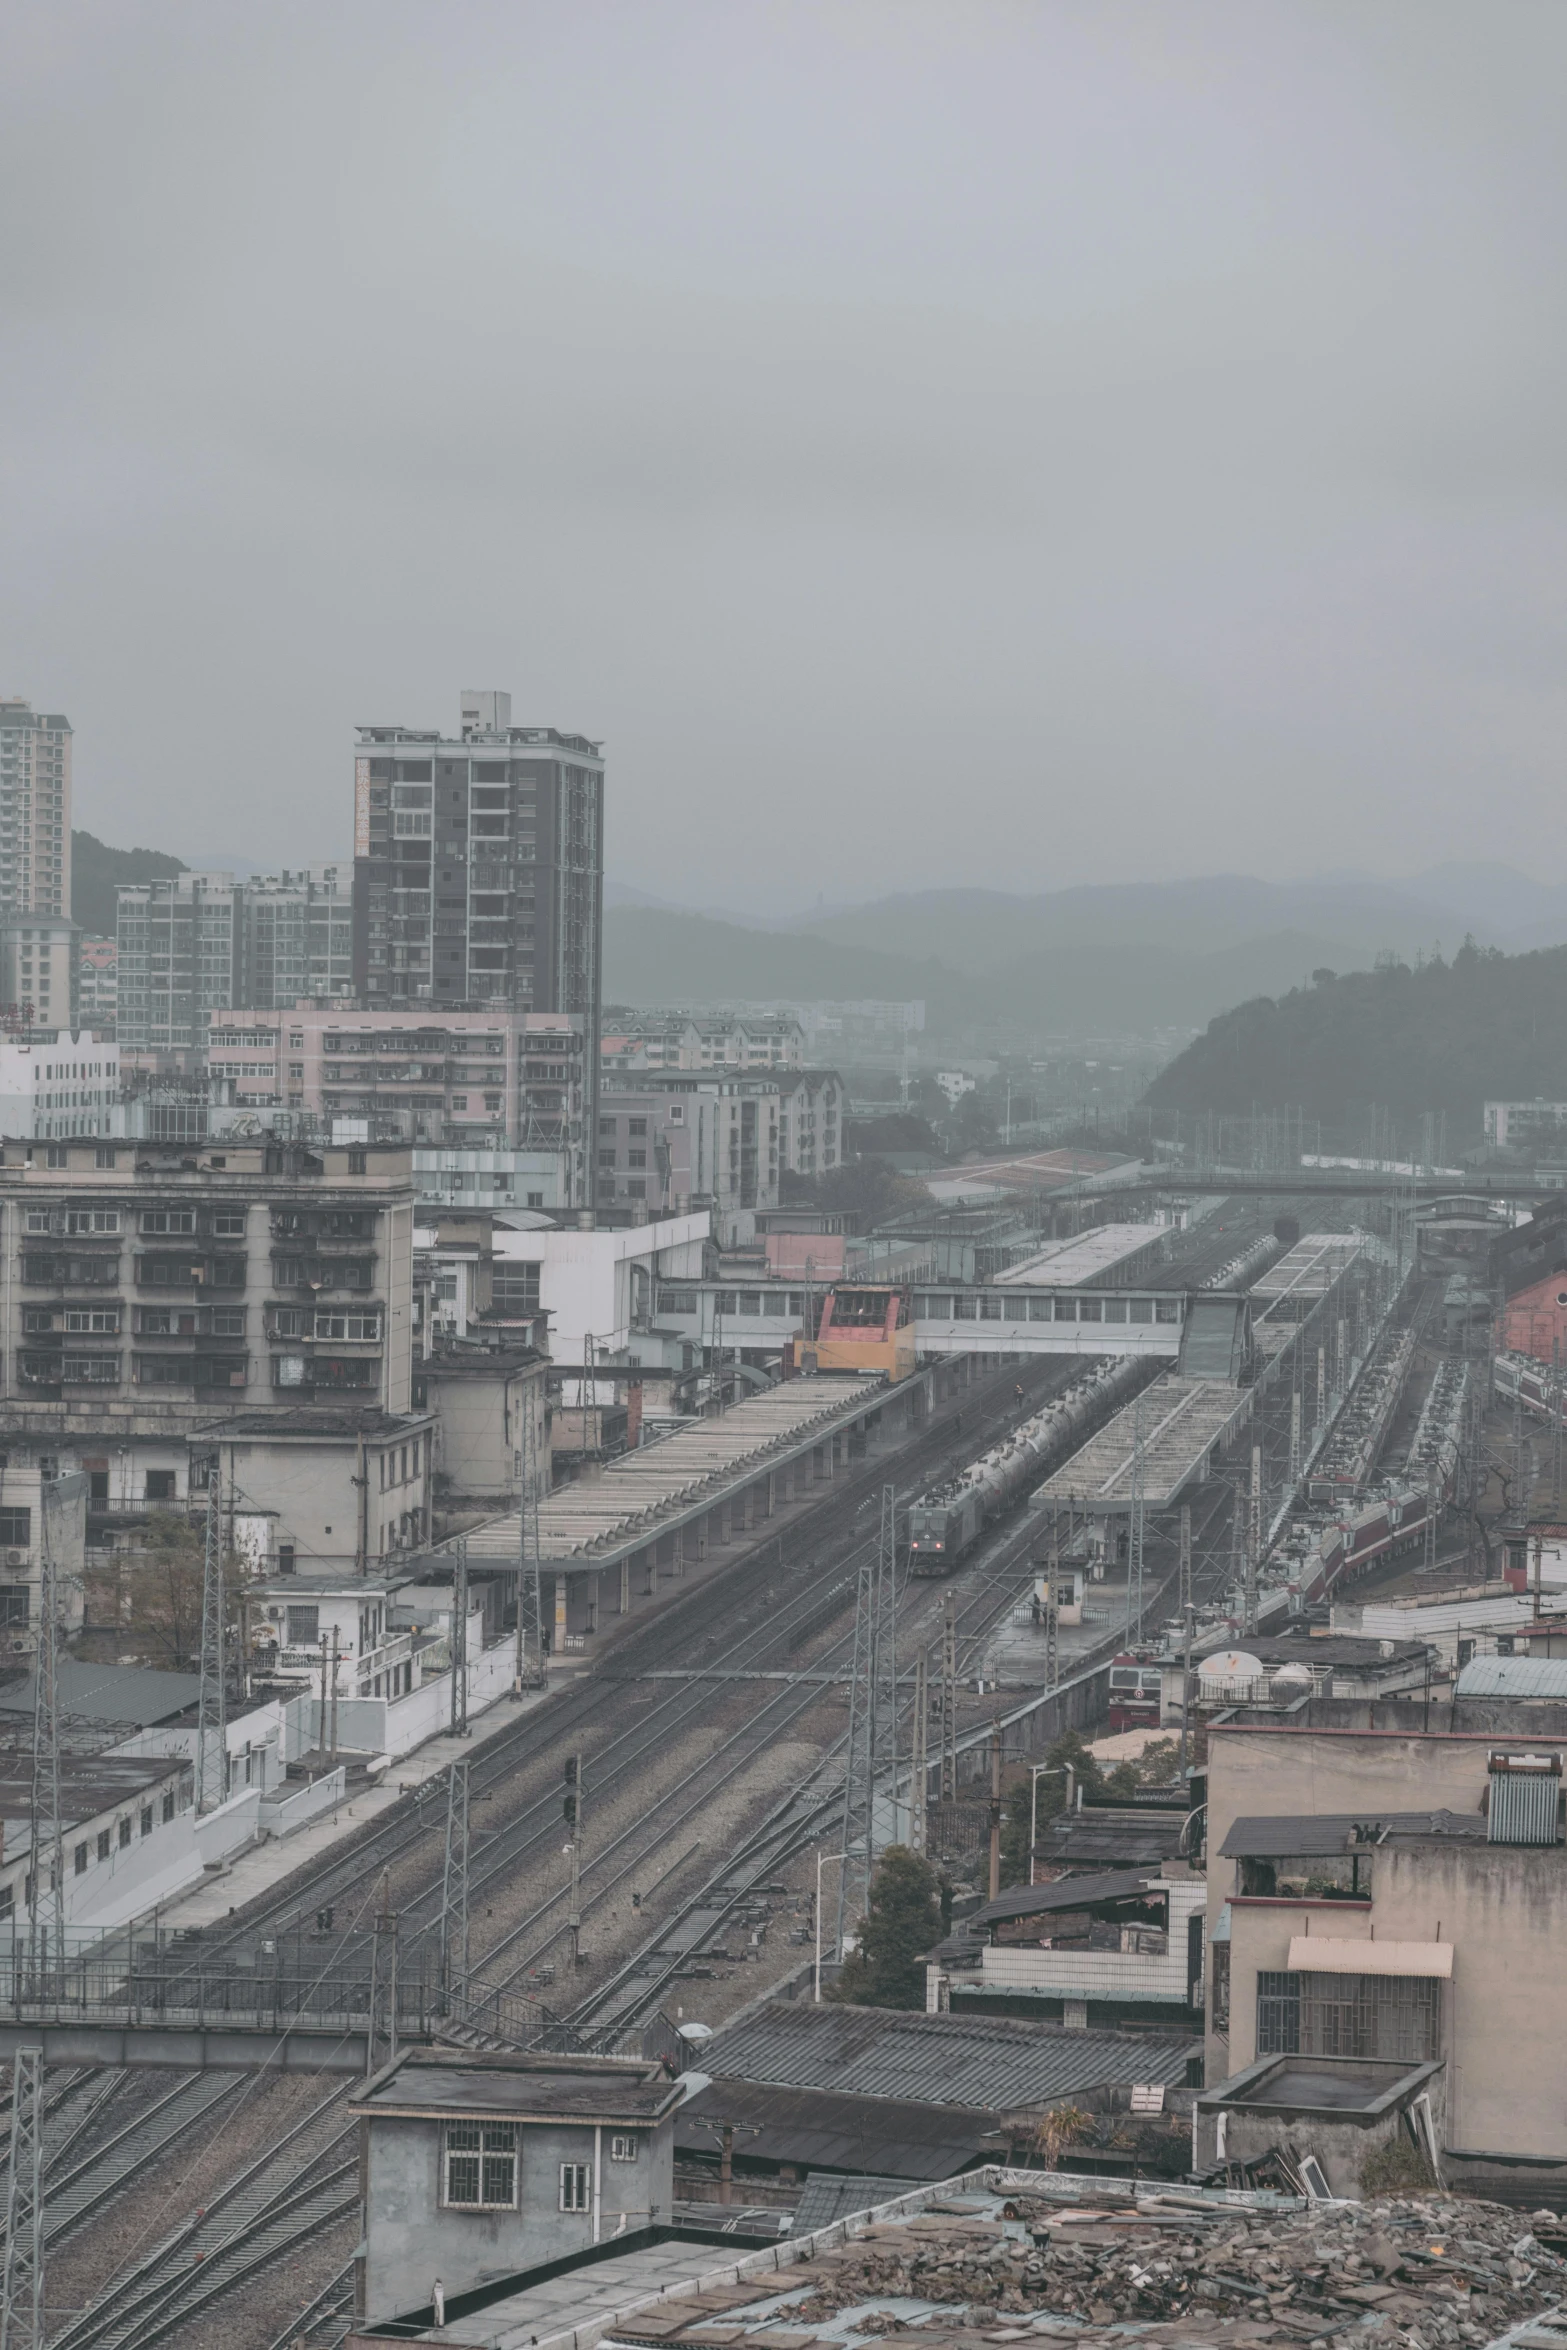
929	440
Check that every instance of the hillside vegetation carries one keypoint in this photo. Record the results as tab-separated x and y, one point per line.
97	871
1447	1036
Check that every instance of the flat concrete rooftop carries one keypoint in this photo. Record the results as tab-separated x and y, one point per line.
1066	1264
1308	1270
1174	1425
648	1493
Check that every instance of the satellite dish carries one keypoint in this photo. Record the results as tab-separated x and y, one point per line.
1231	1664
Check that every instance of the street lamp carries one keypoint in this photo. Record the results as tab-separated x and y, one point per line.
830	1859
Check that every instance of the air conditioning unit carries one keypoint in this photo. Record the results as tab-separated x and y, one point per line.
13	1558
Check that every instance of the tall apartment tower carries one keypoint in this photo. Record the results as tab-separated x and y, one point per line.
35	811
479	868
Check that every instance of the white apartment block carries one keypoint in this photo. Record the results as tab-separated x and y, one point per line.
56	1085
35	811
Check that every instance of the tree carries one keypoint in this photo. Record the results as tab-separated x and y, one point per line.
1156	1767
905	1921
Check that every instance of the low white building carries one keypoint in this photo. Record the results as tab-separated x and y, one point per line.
600	1286
60	1083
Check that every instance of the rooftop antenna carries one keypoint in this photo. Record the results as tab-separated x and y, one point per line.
212	1705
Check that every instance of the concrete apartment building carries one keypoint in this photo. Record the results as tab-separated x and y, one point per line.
202	943
35	813
676	1143
479	868
148	1292
1385	1890
497	1081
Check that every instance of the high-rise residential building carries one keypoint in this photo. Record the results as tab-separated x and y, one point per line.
35	811
198	943
479	868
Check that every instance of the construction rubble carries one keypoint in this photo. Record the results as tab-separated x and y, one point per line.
1171	2268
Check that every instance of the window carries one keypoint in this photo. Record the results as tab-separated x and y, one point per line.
304	1626
636	1126
105	1843
80	1220
160	1485
348	1325
481	2166
622	2147
1391	2017
107	1155
79	1860
100	1318
168	1806
168	1219
576	2187
146	1819
14	1604
125	1831
16	1529
229	1224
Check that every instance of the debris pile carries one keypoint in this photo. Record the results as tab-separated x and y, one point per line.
1422	2271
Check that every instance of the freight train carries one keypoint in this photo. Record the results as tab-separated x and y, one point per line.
946	1522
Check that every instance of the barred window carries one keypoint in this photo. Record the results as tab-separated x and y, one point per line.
576	2189
481	2165
622	2147
1398	2017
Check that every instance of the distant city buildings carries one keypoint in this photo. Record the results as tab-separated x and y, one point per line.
1526	1125
199	943
35	811
636	1040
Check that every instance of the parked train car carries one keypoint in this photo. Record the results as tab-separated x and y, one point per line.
1135	1693
946	1522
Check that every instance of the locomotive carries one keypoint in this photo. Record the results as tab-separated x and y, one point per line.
946	1522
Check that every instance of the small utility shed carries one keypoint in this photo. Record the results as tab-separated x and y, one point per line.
477	2167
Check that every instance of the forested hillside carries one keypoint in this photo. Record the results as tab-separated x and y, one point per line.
1446	1036
97	872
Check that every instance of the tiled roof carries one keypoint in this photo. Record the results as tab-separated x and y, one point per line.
948	2059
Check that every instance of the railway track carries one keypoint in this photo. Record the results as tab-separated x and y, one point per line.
302	2182
280	2200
